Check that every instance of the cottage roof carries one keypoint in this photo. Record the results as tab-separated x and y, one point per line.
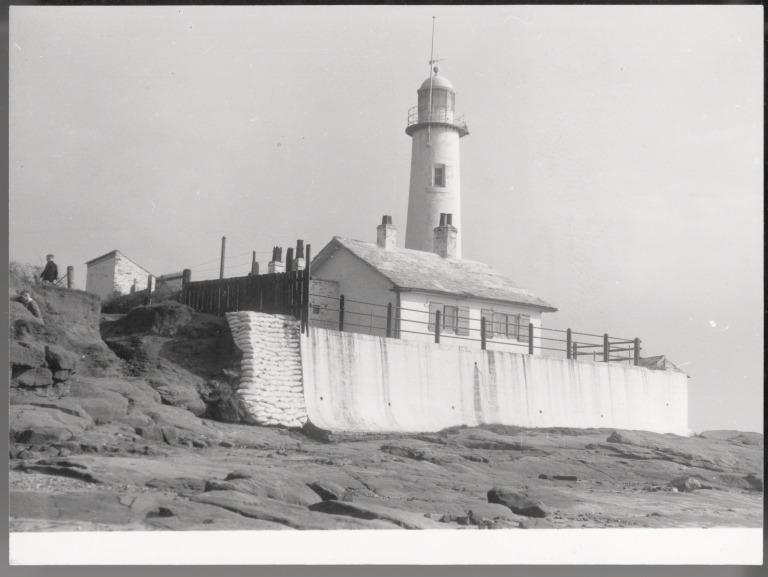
425	271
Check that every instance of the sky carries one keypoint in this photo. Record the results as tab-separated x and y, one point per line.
613	167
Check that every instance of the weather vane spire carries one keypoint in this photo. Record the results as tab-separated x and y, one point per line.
432	60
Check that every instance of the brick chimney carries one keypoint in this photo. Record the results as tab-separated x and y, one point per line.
386	233
445	236
276	264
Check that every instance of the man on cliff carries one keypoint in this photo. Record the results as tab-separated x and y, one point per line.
51	271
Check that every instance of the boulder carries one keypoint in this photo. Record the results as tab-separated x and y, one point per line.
39	425
755	482
328	490
519	503
26	355
686	484
60	359
35	378
615	437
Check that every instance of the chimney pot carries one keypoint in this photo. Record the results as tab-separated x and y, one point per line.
299	249
449	219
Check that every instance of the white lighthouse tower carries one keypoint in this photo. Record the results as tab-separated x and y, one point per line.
435	188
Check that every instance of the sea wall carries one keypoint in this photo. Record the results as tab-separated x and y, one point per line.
356	382
271	374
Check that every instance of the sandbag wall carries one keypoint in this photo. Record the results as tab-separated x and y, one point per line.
271	375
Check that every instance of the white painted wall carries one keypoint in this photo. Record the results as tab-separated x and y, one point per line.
355	382
426	202
415	316
125	272
100	278
359	283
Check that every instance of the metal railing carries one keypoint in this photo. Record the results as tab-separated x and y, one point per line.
439	115
391	321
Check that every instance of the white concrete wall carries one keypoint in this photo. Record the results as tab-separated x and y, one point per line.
359	283
125	272
415	315
271	374
426	202
355	382
100	278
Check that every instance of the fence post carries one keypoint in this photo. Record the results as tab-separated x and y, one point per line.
606	348
70	276
389	320
307	278
223	251
186	277
636	352
482	333
254	265
437	326
576	351
530	338
568	341
341	313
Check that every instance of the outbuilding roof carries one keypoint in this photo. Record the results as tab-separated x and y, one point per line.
417	270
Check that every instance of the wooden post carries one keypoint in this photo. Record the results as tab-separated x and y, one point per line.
133	286
389	320
186	277
568	342
530	338
636	352
606	348
341	313
482	333
70	276
576	351
223	252
149	289
437	326
307	279
289	259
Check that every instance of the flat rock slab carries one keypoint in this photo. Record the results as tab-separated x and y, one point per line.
404	519
280	512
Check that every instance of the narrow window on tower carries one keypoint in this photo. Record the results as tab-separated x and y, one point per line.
439	176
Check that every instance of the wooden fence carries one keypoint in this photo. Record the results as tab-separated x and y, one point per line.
275	293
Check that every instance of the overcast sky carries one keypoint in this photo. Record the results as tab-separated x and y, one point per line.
614	165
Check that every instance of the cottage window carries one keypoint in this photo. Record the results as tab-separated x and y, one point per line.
439	176
450	319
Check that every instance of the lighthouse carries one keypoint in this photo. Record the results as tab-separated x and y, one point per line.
435	187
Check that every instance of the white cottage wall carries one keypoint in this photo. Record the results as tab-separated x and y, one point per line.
360	284
415	314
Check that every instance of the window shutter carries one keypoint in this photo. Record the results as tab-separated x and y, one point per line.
450	314
433	308
463	326
524	321
487	314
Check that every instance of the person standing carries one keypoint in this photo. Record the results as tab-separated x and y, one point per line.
51	271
